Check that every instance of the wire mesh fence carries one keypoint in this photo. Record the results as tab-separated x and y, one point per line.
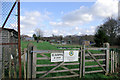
5	10
8	38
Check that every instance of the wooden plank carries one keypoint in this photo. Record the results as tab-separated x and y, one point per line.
15	63
94	71
107	59
94	60
103	54
84	61
111	61
69	70
9	60
29	60
34	64
3	63
96	48
116	61
43	55
69	76
47	65
93	66
52	69
24	63
48	51
80	69
43	58
56	71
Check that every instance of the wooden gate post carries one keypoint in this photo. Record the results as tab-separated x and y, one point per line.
24	59
34	63
29	61
116	61
84	60
107	58
111	61
80	69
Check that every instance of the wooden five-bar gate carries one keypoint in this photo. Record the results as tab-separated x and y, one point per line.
39	63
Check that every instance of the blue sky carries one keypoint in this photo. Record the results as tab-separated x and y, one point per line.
65	18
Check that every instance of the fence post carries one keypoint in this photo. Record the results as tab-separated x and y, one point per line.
15	64
80	62
107	59
84	60
29	60
24	63
116	61
9	58
3	63
111	61
34	63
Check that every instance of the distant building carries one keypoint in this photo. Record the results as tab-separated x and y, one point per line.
63	42
27	38
86	42
70	39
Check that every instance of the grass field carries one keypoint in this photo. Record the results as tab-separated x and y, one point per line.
48	46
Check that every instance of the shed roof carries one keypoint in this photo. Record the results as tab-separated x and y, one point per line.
8	29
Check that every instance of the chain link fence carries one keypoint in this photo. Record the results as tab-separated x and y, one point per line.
8	38
5	10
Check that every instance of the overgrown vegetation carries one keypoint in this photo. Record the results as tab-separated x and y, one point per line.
100	37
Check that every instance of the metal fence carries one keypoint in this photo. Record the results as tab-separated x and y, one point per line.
8	47
8	14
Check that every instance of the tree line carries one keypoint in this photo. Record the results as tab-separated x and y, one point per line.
109	32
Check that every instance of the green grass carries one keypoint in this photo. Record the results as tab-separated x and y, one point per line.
68	45
40	45
45	45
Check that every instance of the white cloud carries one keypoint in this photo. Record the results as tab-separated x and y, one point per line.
76	28
55	31
105	8
71	22
32	20
101	9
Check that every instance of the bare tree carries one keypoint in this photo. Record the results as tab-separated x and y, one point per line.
38	32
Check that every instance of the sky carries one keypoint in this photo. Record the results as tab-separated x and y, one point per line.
65	18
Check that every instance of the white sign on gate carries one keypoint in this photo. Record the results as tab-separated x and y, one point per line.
56	57
70	56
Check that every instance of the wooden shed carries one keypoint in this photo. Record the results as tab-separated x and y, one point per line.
8	49
86	42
